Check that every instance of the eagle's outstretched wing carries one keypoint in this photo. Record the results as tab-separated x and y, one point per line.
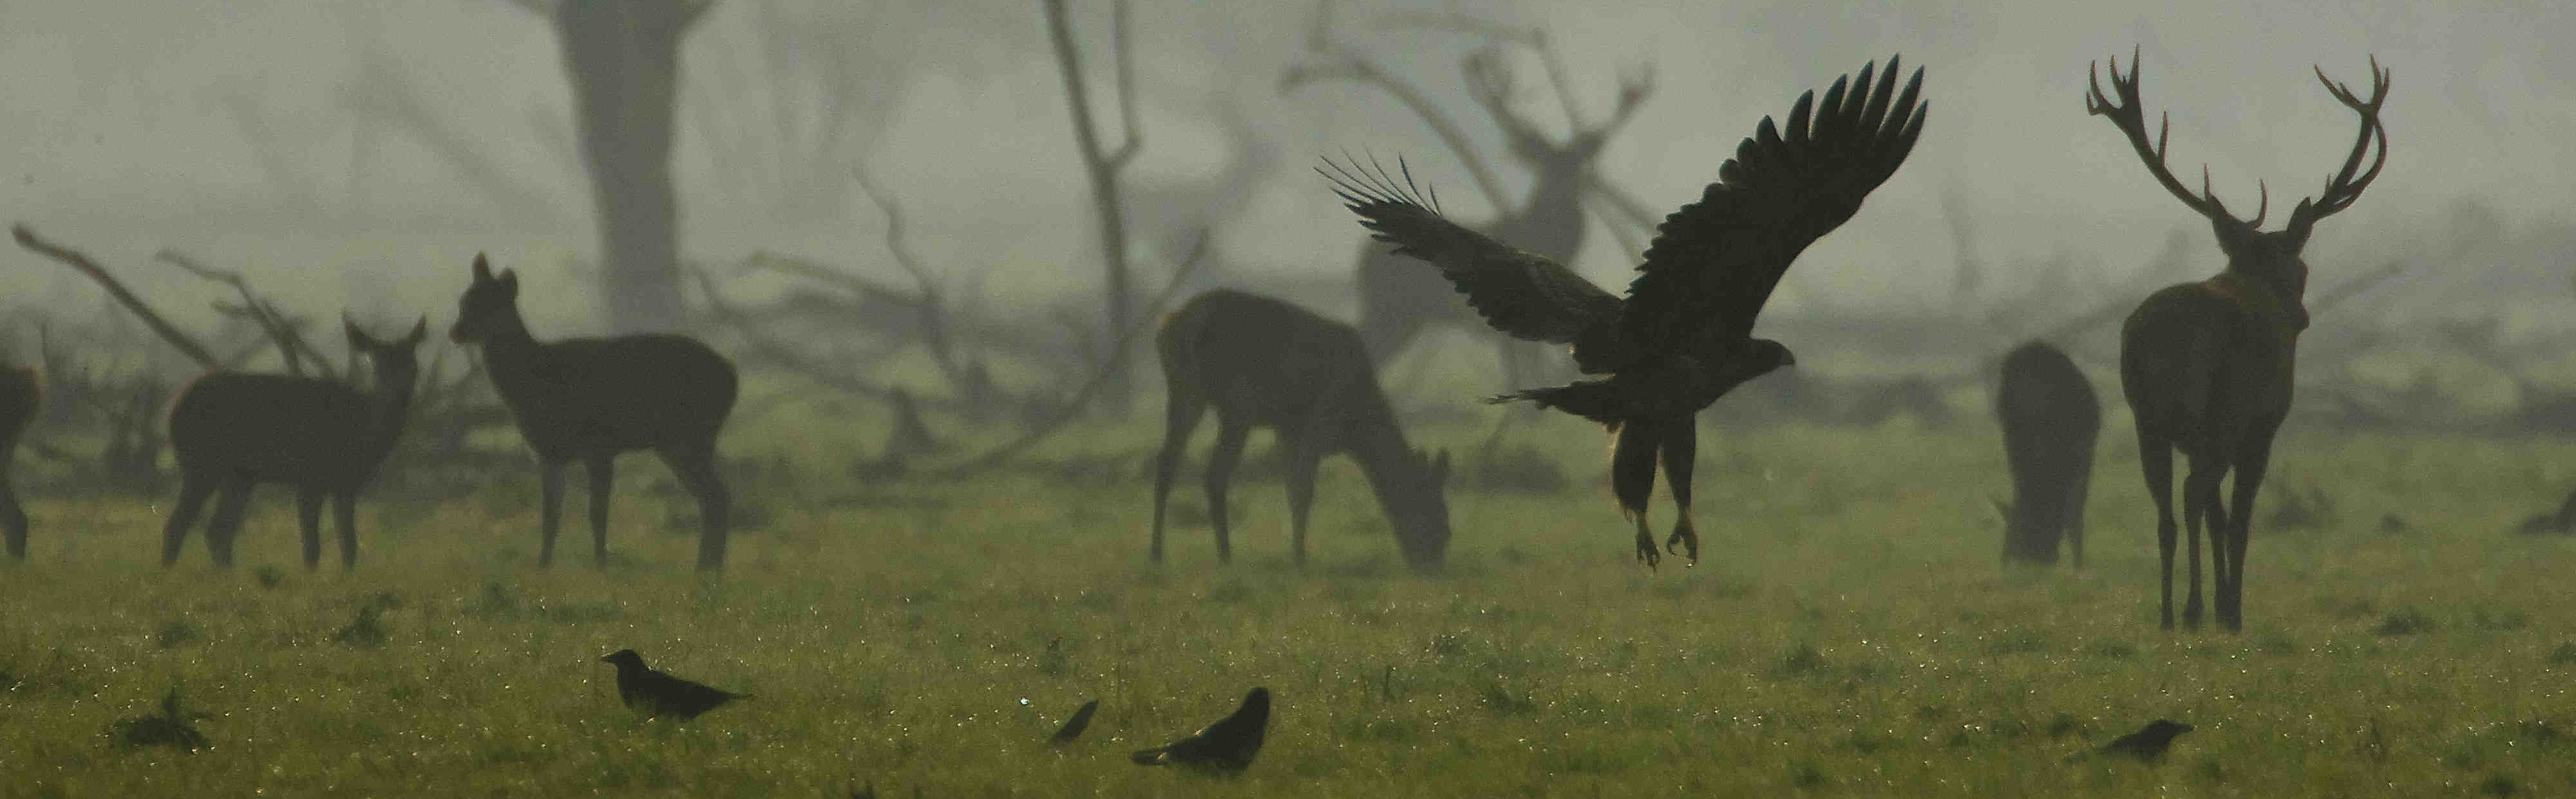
1520	294
1714	262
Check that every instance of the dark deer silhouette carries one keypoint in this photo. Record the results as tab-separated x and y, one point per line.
1261	362
2206	366
1399	299
2050	420
21	393
589	399
231	431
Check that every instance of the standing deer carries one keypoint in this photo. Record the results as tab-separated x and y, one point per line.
1262	362
1399	299
231	431
2050	420
589	399
2206	365
21	393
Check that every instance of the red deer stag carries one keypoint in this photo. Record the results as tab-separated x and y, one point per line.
589	399
232	431
2206	365
1262	362
1683	337
20	394
1399	299
2051	420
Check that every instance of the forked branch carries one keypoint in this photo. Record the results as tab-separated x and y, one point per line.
178	340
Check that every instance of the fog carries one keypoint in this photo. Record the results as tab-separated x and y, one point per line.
264	134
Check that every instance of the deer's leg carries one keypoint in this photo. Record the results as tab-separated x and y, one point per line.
550	490
226	526
13	519
344	506
602	470
2250	466
1303	458
2075	494
1632	480
1230	435
696	468
1680	452
1181	413
2200	513
193	491
308	524
2155	459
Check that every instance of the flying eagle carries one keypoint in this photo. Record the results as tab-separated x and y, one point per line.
1684	335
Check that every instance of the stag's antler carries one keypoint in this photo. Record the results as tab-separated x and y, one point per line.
2127	116
2343	187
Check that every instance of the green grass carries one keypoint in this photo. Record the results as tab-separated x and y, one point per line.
1849	633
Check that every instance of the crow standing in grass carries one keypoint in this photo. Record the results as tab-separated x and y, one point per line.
1683	336
659	694
1225	747
1074	726
2149	743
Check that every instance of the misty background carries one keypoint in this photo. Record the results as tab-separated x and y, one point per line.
359	153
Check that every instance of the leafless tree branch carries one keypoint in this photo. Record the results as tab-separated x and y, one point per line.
178	340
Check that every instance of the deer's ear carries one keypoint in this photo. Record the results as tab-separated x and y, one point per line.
482	268
510	281
419	332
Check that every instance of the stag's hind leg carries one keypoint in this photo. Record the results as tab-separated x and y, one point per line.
1632	480
2251	463
13	519
1680	450
2200	511
193	492
225	529
344	506
2155	459
696	468
1301	462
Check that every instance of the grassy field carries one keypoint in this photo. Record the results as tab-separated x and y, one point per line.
1849	634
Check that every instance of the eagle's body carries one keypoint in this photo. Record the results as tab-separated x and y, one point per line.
1682	337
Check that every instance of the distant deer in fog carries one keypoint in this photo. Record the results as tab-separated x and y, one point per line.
20	393
2207	365
2050	420
1261	362
233	431
589	399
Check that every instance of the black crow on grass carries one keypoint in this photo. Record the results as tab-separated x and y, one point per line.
659	694
1683	336
2148	744
1225	747
1074	726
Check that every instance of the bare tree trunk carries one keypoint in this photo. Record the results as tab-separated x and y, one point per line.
1103	166
623	58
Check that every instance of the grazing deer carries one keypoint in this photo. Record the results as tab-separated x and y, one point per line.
589	399
1262	362
21	393
2206	365
2050	420
232	431
1399	299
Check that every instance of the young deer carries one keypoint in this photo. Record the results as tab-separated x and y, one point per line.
1399	298
2050	420
2206	365
1262	362
232	431
589	399
20	395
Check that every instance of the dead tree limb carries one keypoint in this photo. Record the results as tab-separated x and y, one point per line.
1071	408
177	339
1335	61
779	352
1103	165
286	332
